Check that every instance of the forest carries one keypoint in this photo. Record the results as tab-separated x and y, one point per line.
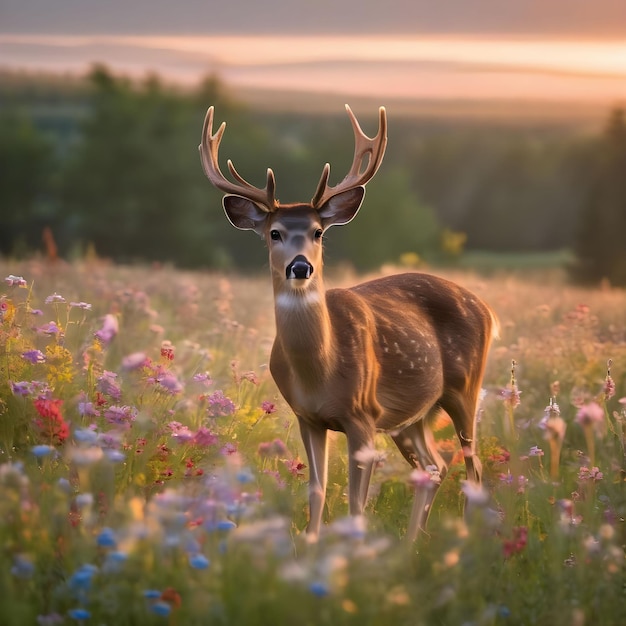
109	166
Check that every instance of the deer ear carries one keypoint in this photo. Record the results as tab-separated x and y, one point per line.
340	209
244	214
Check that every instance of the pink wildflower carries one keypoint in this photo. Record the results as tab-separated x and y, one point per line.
204	437
295	467
590	414
272	448
15	281
268	407
590	475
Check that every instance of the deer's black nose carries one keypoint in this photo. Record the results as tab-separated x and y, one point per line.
299	268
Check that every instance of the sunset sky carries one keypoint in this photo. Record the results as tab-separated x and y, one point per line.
523	50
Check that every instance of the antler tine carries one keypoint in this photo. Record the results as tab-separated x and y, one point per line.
209	149
372	147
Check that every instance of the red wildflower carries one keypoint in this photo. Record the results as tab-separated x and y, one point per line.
517	543
51	425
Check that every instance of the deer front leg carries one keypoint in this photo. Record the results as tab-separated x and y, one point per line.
316	448
360	467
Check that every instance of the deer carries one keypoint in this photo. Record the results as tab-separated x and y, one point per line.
386	355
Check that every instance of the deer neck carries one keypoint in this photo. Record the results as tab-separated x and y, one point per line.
304	331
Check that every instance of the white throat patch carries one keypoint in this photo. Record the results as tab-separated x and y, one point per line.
297	299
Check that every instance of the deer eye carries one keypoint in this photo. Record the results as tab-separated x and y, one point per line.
275	235
319	233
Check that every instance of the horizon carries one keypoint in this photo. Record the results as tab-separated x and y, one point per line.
409	67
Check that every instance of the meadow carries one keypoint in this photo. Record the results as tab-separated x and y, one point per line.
151	474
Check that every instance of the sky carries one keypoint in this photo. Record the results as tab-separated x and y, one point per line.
454	49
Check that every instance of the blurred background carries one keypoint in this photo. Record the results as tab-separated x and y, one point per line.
507	133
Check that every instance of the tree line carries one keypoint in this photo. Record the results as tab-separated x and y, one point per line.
112	164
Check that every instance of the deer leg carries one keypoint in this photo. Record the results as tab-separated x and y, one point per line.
417	445
360	468
316	448
462	411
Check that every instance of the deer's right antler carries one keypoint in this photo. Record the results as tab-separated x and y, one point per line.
209	148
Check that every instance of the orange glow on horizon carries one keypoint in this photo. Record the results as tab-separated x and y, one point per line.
419	66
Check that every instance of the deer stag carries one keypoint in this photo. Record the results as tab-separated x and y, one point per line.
385	355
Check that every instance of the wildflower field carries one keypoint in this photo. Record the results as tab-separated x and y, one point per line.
151	474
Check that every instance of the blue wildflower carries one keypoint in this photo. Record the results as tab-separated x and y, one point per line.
245	476
226	525
85	435
106	538
319	589
114	562
199	561
22	567
42	450
151	594
79	614
161	608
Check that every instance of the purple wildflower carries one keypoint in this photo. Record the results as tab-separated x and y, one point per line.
203	378
54	298
220	405
170	383
21	388
81	305
134	361
179	432
120	415
49	329
511	396
107	385
87	409
109	329
34	356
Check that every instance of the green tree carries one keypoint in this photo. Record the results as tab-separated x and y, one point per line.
392	222
599	247
134	186
25	178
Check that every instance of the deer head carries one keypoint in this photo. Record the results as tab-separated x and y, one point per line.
293	232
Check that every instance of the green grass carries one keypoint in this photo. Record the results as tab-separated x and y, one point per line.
175	504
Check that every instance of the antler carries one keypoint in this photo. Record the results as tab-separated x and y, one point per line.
209	147
373	148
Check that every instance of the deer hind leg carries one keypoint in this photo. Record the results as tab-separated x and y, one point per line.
462	410
417	445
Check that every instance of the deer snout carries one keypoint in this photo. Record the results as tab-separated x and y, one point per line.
299	268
